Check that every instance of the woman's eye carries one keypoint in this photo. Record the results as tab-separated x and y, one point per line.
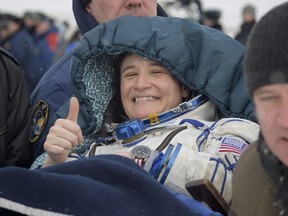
130	74
157	72
268	98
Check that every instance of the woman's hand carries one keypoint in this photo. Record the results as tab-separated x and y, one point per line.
63	136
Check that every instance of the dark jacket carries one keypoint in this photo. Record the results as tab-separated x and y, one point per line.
55	88
15	114
21	45
244	33
253	189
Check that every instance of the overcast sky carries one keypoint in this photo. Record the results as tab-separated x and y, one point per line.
62	9
58	9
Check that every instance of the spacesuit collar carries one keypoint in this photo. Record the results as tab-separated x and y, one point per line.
198	107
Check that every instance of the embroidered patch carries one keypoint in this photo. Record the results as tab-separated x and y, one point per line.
39	120
234	145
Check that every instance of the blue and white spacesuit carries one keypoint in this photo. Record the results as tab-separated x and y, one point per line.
184	144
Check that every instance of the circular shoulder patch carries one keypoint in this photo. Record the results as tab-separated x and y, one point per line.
39	120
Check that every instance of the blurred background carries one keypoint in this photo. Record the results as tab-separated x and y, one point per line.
230	19
230	10
39	32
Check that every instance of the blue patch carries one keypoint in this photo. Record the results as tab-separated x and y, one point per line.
39	120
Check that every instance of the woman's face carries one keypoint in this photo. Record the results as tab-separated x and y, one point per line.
147	87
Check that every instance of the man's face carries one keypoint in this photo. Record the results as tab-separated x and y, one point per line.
248	17
147	88
106	10
272	111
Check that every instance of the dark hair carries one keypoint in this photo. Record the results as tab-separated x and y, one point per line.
118	113
115	111
85	3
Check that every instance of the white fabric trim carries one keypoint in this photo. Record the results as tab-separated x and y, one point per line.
20	208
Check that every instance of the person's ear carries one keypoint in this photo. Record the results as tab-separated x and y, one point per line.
185	91
88	9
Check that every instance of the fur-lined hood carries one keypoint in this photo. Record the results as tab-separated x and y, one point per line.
202	58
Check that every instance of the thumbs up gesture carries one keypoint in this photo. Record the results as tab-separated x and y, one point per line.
73	110
63	136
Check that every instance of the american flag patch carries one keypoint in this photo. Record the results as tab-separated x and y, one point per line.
232	144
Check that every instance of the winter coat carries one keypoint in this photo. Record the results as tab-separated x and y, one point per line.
198	56
15	113
21	45
54	90
253	189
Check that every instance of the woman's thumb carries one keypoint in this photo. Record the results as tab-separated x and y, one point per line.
73	110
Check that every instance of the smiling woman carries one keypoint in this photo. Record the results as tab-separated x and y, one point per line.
174	139
148	87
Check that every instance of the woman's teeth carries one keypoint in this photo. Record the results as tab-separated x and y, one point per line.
140	99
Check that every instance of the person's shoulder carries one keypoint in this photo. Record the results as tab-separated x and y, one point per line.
8	55
249	164
23	33
9	63
250	155
253	189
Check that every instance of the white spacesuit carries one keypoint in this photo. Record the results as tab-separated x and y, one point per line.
194	146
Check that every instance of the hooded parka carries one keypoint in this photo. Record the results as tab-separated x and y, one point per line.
205	60
51	96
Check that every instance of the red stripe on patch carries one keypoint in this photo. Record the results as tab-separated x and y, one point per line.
233	144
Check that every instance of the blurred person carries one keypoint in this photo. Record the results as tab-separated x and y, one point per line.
260	182
16	40
73	41
211	18
187	9
15	113
29	19
51	97
249	20
45	35
63	29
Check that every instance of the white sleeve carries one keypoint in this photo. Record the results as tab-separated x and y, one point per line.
212	155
